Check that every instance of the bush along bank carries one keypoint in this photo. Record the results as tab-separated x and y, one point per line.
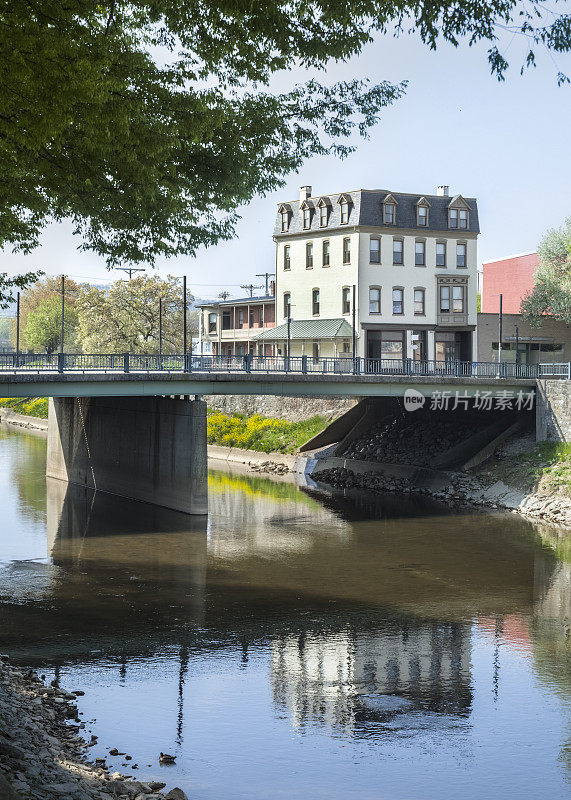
464	492
29	406
264	434
42	754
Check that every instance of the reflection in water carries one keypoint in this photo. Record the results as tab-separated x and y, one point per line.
295	634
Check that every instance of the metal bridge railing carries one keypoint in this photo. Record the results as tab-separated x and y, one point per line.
302	365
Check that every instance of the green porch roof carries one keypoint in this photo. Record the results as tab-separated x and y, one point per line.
308	329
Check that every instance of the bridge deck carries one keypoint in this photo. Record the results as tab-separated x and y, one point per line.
115	384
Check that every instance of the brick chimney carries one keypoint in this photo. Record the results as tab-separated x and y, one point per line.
272	288
304	193
443	191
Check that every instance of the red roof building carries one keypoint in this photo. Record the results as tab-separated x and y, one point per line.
512	277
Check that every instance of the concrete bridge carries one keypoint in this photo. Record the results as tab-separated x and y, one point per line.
136	425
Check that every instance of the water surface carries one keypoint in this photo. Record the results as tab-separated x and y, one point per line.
295	644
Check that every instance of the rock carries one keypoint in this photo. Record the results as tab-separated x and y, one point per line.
156	786
176	794
78	692
11	750
113	752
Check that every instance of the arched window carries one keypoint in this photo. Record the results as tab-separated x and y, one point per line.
287	303
315	302
346	300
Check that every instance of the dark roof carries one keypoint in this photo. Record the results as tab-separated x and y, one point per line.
309	329
240	301
366	208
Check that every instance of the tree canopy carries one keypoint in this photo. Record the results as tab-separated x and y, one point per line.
551	293
125	318
47	288
43	326
147	123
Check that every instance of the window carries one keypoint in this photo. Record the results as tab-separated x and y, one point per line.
226	321
419	302
344	212
212	322
463	218
347	250
315	301
397	251
315	352
374	300
287	302
285	220
398	301
440	254
241	318
306	218
420	254
422	216
346	300
453	218
326	252
444	299
458	299
460	255
251	320
323	216
389	210
346	346
374	250
309	255
287	257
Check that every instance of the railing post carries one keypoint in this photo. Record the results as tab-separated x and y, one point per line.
188	362
286	363
409	366
304	365
569	371
357	365
504	369
60	362
125	362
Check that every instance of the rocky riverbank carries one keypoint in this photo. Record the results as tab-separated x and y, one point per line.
464	491
42	753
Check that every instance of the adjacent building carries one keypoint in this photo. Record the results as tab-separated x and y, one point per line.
229	327
399	270
512	277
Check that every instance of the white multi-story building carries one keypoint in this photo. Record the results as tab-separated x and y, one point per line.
409	260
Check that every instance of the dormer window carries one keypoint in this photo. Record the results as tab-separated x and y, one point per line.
306	218
422	216
284	216
459	214
323	216
463	219
389	213
453	218
344	212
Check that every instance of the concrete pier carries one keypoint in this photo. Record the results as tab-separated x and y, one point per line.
144	448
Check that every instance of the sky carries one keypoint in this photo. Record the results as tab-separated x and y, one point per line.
507	144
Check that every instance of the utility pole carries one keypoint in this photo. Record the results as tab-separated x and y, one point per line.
288	329
500	330
249	288
130	270
354	322
160	326
224	295
267	276
184	314
62	310
18	330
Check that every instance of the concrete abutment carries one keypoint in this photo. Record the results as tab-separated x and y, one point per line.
151	449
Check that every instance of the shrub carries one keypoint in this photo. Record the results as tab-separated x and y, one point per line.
264	434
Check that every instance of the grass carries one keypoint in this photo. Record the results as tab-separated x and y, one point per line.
545	467
264	434
30	406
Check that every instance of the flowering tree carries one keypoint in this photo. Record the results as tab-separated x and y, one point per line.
551	293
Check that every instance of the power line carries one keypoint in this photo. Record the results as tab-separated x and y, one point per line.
249	287
267	276
130	270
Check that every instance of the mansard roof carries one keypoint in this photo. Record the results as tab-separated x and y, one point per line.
366	209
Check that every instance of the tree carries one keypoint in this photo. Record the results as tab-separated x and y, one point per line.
49	287
125	318
147	124
551	293
43	326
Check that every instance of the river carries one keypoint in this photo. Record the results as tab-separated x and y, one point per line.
295	643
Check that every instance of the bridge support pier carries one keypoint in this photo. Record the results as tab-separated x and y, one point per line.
145	448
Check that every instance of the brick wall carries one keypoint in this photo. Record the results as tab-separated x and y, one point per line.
511	277
553	411
550	332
